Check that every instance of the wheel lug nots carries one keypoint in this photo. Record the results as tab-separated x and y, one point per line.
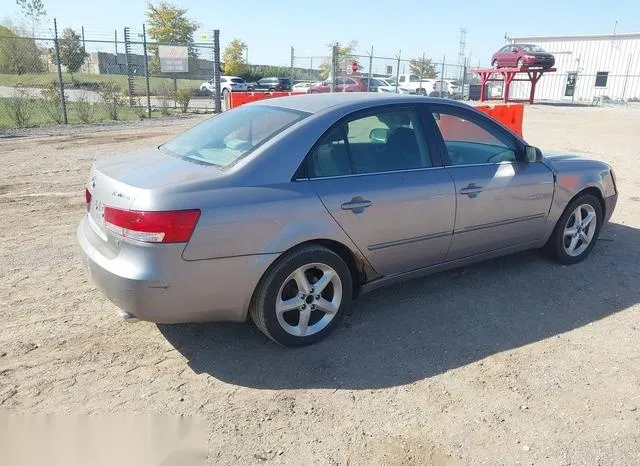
317	296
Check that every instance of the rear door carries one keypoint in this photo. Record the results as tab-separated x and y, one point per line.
375	174
502	200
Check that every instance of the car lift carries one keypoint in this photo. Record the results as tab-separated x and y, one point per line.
508	76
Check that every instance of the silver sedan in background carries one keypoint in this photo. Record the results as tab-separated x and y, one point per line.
289	208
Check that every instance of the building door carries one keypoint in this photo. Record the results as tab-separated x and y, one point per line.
570	88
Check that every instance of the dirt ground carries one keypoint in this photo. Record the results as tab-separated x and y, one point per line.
514	361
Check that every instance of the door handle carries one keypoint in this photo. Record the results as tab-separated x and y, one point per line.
357	204
471	190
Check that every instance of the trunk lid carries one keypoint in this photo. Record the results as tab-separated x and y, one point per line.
118	181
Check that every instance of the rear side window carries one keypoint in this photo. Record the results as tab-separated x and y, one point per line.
237	80
386	141
225	138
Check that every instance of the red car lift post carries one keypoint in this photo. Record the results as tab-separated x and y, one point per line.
508	76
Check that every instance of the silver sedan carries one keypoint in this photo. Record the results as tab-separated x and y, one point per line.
290	208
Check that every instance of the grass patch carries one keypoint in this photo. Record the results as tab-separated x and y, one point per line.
93	81
77	112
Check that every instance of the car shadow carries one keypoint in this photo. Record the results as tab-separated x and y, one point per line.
417	329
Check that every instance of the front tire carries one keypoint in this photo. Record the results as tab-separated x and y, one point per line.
303	296
577	230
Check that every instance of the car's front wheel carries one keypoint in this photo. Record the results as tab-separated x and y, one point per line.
577	230
303	296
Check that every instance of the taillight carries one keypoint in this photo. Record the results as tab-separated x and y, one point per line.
87	197
152	227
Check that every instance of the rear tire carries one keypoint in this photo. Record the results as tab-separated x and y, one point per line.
577	230
494	64
303	296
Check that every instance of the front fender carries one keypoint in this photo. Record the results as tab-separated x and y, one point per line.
573	175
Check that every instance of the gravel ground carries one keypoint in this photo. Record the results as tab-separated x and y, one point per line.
517	360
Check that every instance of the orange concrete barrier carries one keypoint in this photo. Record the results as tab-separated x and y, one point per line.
240	98
510	115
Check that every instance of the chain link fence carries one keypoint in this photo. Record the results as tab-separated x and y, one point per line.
64	77
357	72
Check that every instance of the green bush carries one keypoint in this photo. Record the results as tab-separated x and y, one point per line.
182	97
112	99
85	108
19	108
163	91
51	104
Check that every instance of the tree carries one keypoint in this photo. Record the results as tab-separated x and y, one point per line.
18	55
344	58
72	53
233	57
422	67
34	10
169	23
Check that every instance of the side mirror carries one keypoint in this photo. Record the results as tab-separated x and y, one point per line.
379	135
533	154
436	116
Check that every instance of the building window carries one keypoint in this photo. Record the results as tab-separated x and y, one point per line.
601	78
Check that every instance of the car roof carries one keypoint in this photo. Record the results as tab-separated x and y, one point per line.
314	103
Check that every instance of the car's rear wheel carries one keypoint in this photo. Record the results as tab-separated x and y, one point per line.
422	91
303	296
494	64
577	230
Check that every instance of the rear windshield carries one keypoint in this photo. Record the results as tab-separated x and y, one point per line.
224	139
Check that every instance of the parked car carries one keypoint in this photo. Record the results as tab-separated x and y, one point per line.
302	86
351	84
522	56
389	85
227	84
273	85
238	216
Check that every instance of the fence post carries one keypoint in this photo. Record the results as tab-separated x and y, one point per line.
398	71
59	66
464	77
442	73
370	70
216	70
334	67
292	63
115	41
421	73
146	67
127	56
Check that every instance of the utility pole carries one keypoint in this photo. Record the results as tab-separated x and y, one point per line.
463	45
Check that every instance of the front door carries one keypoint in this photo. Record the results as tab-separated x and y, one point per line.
502	200
375	176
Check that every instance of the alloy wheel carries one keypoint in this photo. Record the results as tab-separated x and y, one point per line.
309	299
580	229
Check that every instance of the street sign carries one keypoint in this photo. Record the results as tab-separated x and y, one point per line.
173	58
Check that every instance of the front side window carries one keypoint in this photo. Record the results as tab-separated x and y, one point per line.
469	142
225	138
386	141
414	78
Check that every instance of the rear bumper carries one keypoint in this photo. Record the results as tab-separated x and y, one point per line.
154	282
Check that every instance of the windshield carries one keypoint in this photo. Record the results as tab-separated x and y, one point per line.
225	138
532	48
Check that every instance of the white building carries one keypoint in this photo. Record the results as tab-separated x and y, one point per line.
589	66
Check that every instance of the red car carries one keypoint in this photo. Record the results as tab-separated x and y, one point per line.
522	55
354	84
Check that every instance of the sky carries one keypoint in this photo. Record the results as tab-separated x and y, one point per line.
412	27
